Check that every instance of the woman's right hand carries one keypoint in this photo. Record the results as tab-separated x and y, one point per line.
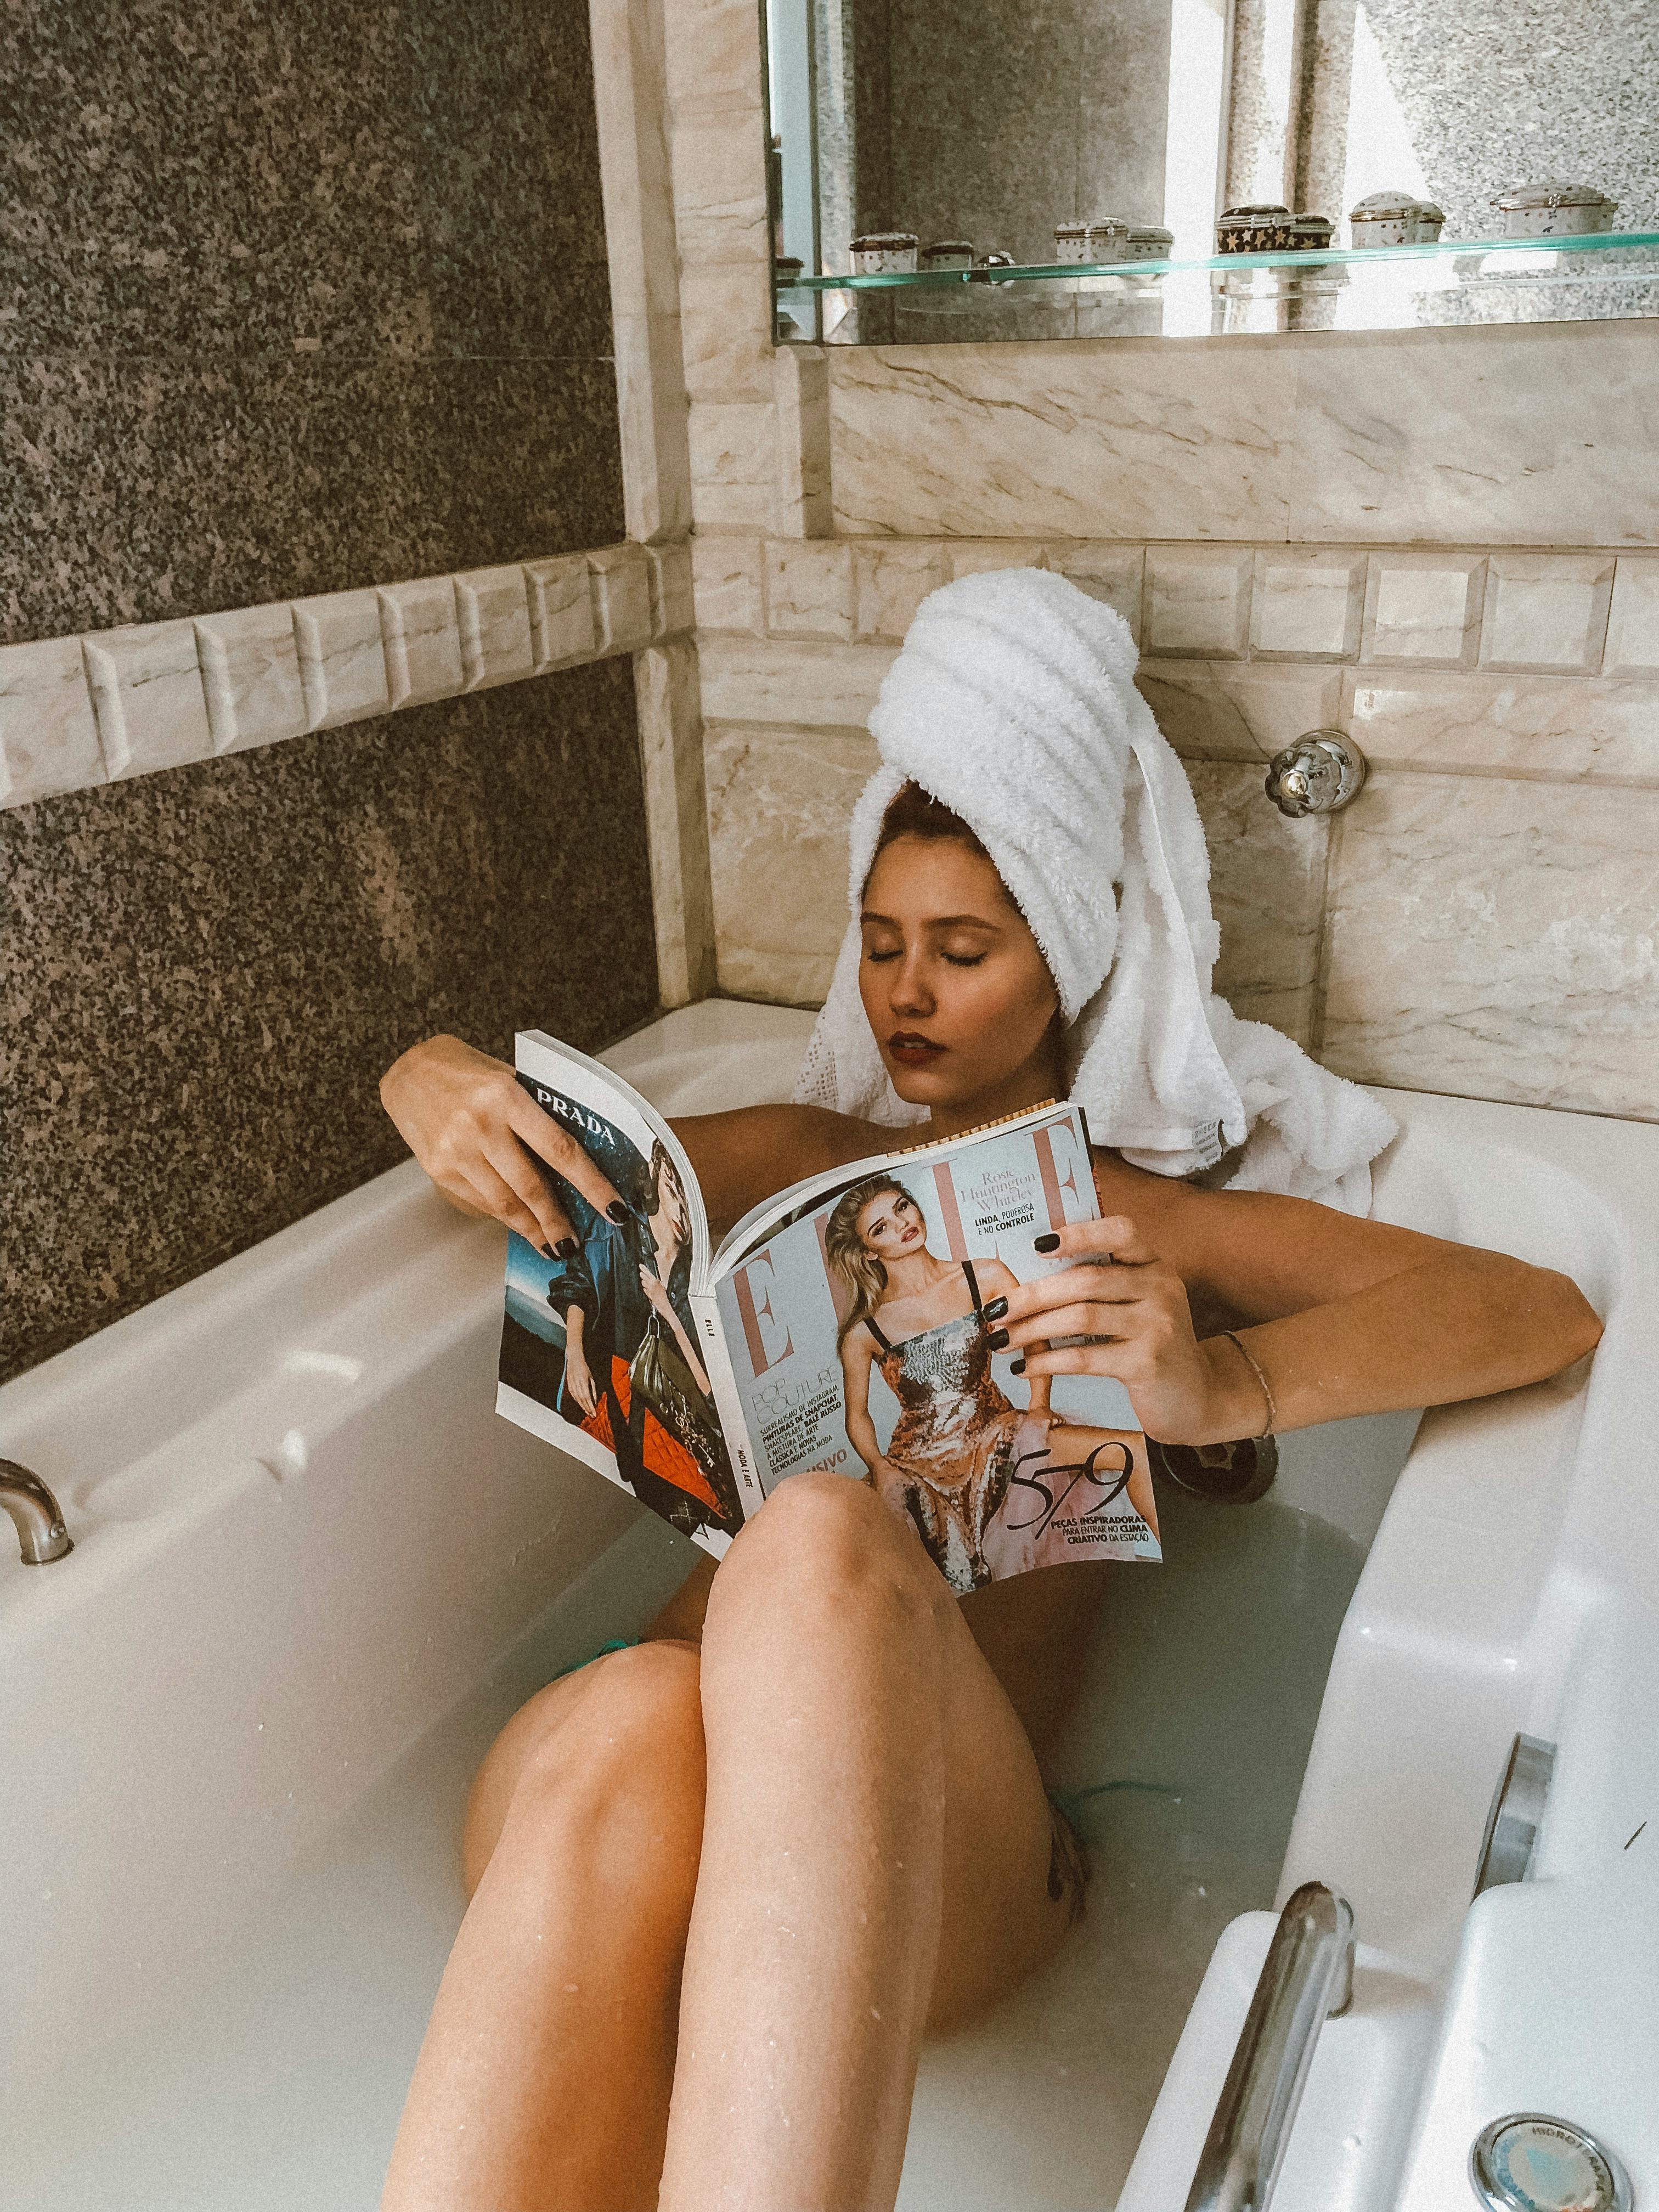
479	1134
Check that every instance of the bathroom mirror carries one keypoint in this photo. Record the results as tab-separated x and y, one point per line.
1466	168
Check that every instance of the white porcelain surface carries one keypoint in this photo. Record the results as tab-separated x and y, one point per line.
342	656
1306	604
494	611
727	583
147	689
1632	647
1423	608
1600	730
890	581
809	588
1496	939
1546	611
1197	602
422	640
48	732
317	1564
562	625
622	597
779	804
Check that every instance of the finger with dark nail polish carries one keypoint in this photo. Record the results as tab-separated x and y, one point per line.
566	1248
1048	1242
617	1209
1017	1367
999	1338
995	1311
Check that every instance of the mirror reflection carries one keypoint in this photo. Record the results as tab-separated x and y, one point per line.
1353	164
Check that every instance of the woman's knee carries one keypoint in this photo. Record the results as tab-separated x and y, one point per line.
824	1539
611	1756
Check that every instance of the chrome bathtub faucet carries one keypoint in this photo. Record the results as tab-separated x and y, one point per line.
41	1535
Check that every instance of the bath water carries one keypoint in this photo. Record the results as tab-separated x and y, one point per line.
278	2085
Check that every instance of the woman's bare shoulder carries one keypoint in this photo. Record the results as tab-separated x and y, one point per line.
752	1153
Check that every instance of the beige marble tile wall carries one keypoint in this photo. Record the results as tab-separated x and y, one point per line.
1444	542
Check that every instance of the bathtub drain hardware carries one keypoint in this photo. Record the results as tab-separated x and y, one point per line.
1517	1814
41	1534
1529	2162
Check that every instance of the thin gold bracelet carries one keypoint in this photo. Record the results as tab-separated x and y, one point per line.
1255	1369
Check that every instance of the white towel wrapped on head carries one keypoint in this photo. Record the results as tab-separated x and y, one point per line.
1012	702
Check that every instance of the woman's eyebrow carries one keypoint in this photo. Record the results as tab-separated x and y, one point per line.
938	921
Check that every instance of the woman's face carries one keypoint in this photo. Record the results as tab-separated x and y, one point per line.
957	994
890	1227
676	1216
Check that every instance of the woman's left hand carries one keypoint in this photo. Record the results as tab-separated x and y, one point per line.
1119	1292
656	1295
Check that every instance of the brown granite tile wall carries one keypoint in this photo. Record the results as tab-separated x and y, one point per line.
294	297
203	974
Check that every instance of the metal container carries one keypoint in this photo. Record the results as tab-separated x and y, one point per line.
1071	242
1108	238
1148	241
884	253
1385	219
1311	232
947	254
1554	211
1429	221
1261	228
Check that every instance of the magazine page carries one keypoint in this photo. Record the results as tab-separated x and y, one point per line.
599	1348
857	1344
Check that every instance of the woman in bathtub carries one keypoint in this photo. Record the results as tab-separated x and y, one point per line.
957	1444
721	1884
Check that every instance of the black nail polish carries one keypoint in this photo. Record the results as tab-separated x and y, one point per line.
1017	1367
1048	1242
565	1249
617	1209
995	1310
999	1339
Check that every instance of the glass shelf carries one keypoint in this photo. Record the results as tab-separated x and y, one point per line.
1596	241
1606	274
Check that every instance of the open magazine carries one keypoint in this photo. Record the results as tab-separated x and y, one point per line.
838	1326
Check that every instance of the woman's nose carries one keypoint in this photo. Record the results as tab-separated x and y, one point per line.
909	993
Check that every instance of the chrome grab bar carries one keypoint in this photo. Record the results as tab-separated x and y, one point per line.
1306	1980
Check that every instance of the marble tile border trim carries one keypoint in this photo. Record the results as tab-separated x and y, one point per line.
76	711
1530	620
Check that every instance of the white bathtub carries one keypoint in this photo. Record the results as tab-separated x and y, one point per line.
314	1571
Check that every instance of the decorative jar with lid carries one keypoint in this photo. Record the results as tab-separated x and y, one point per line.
884	253
1553	210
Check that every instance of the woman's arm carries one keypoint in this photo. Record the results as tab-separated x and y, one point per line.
856	1358
578	1374
755	1151
1347	1317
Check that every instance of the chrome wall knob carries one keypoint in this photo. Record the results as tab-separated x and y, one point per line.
1319	773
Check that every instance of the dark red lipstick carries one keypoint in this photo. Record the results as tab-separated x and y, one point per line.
911	1049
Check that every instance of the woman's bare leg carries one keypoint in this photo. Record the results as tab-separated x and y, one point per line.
875	1852
544	2081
